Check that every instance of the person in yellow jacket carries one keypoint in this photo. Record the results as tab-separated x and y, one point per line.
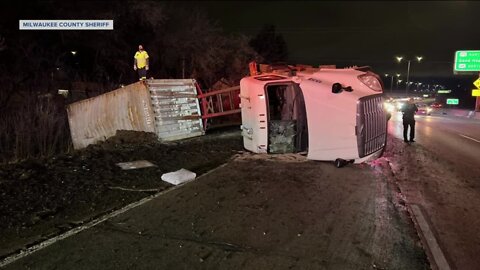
141	63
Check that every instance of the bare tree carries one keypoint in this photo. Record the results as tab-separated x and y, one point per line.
270	45
3	43
199	46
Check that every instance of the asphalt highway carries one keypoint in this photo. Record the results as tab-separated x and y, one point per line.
440	173
455	139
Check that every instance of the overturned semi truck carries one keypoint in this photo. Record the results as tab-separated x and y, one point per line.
328	113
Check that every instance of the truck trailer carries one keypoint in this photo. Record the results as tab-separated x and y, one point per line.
329	114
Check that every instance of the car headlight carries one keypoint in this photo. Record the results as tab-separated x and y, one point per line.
388	107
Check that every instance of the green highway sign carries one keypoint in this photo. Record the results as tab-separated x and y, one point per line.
452	101
467	61
444	91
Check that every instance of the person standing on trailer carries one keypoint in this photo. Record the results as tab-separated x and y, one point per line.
409	111
141	63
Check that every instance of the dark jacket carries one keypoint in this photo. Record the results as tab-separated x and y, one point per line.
409	111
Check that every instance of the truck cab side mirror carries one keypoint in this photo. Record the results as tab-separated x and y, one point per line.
337	88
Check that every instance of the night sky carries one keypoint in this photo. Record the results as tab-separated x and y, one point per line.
370	33
364	33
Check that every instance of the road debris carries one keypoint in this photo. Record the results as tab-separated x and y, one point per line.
178	177
138	164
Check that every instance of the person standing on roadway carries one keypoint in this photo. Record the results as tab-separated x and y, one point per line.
409	111
141	63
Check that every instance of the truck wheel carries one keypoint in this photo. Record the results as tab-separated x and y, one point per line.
339	163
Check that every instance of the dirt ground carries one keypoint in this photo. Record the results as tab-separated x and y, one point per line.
43	198
257	212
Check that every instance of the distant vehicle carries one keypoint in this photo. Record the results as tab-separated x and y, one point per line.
436	105
389	106
424	109
400	105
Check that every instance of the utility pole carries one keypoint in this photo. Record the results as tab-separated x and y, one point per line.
477	101
408	77
391	85
183	67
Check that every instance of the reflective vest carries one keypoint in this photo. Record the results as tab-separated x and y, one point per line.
141	58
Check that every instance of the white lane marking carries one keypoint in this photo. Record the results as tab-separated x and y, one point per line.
438	257
23	253
470	138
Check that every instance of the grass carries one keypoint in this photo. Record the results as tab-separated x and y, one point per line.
38	127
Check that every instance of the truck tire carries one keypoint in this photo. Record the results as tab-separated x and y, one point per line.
339	163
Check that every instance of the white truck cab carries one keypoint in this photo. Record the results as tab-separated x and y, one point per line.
330	114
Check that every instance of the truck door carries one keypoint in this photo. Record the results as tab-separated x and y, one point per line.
286	116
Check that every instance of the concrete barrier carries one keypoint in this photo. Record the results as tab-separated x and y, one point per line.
459	113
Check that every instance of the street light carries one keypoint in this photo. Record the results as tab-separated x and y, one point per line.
398	79
399	59
391	84
391	77
417	84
